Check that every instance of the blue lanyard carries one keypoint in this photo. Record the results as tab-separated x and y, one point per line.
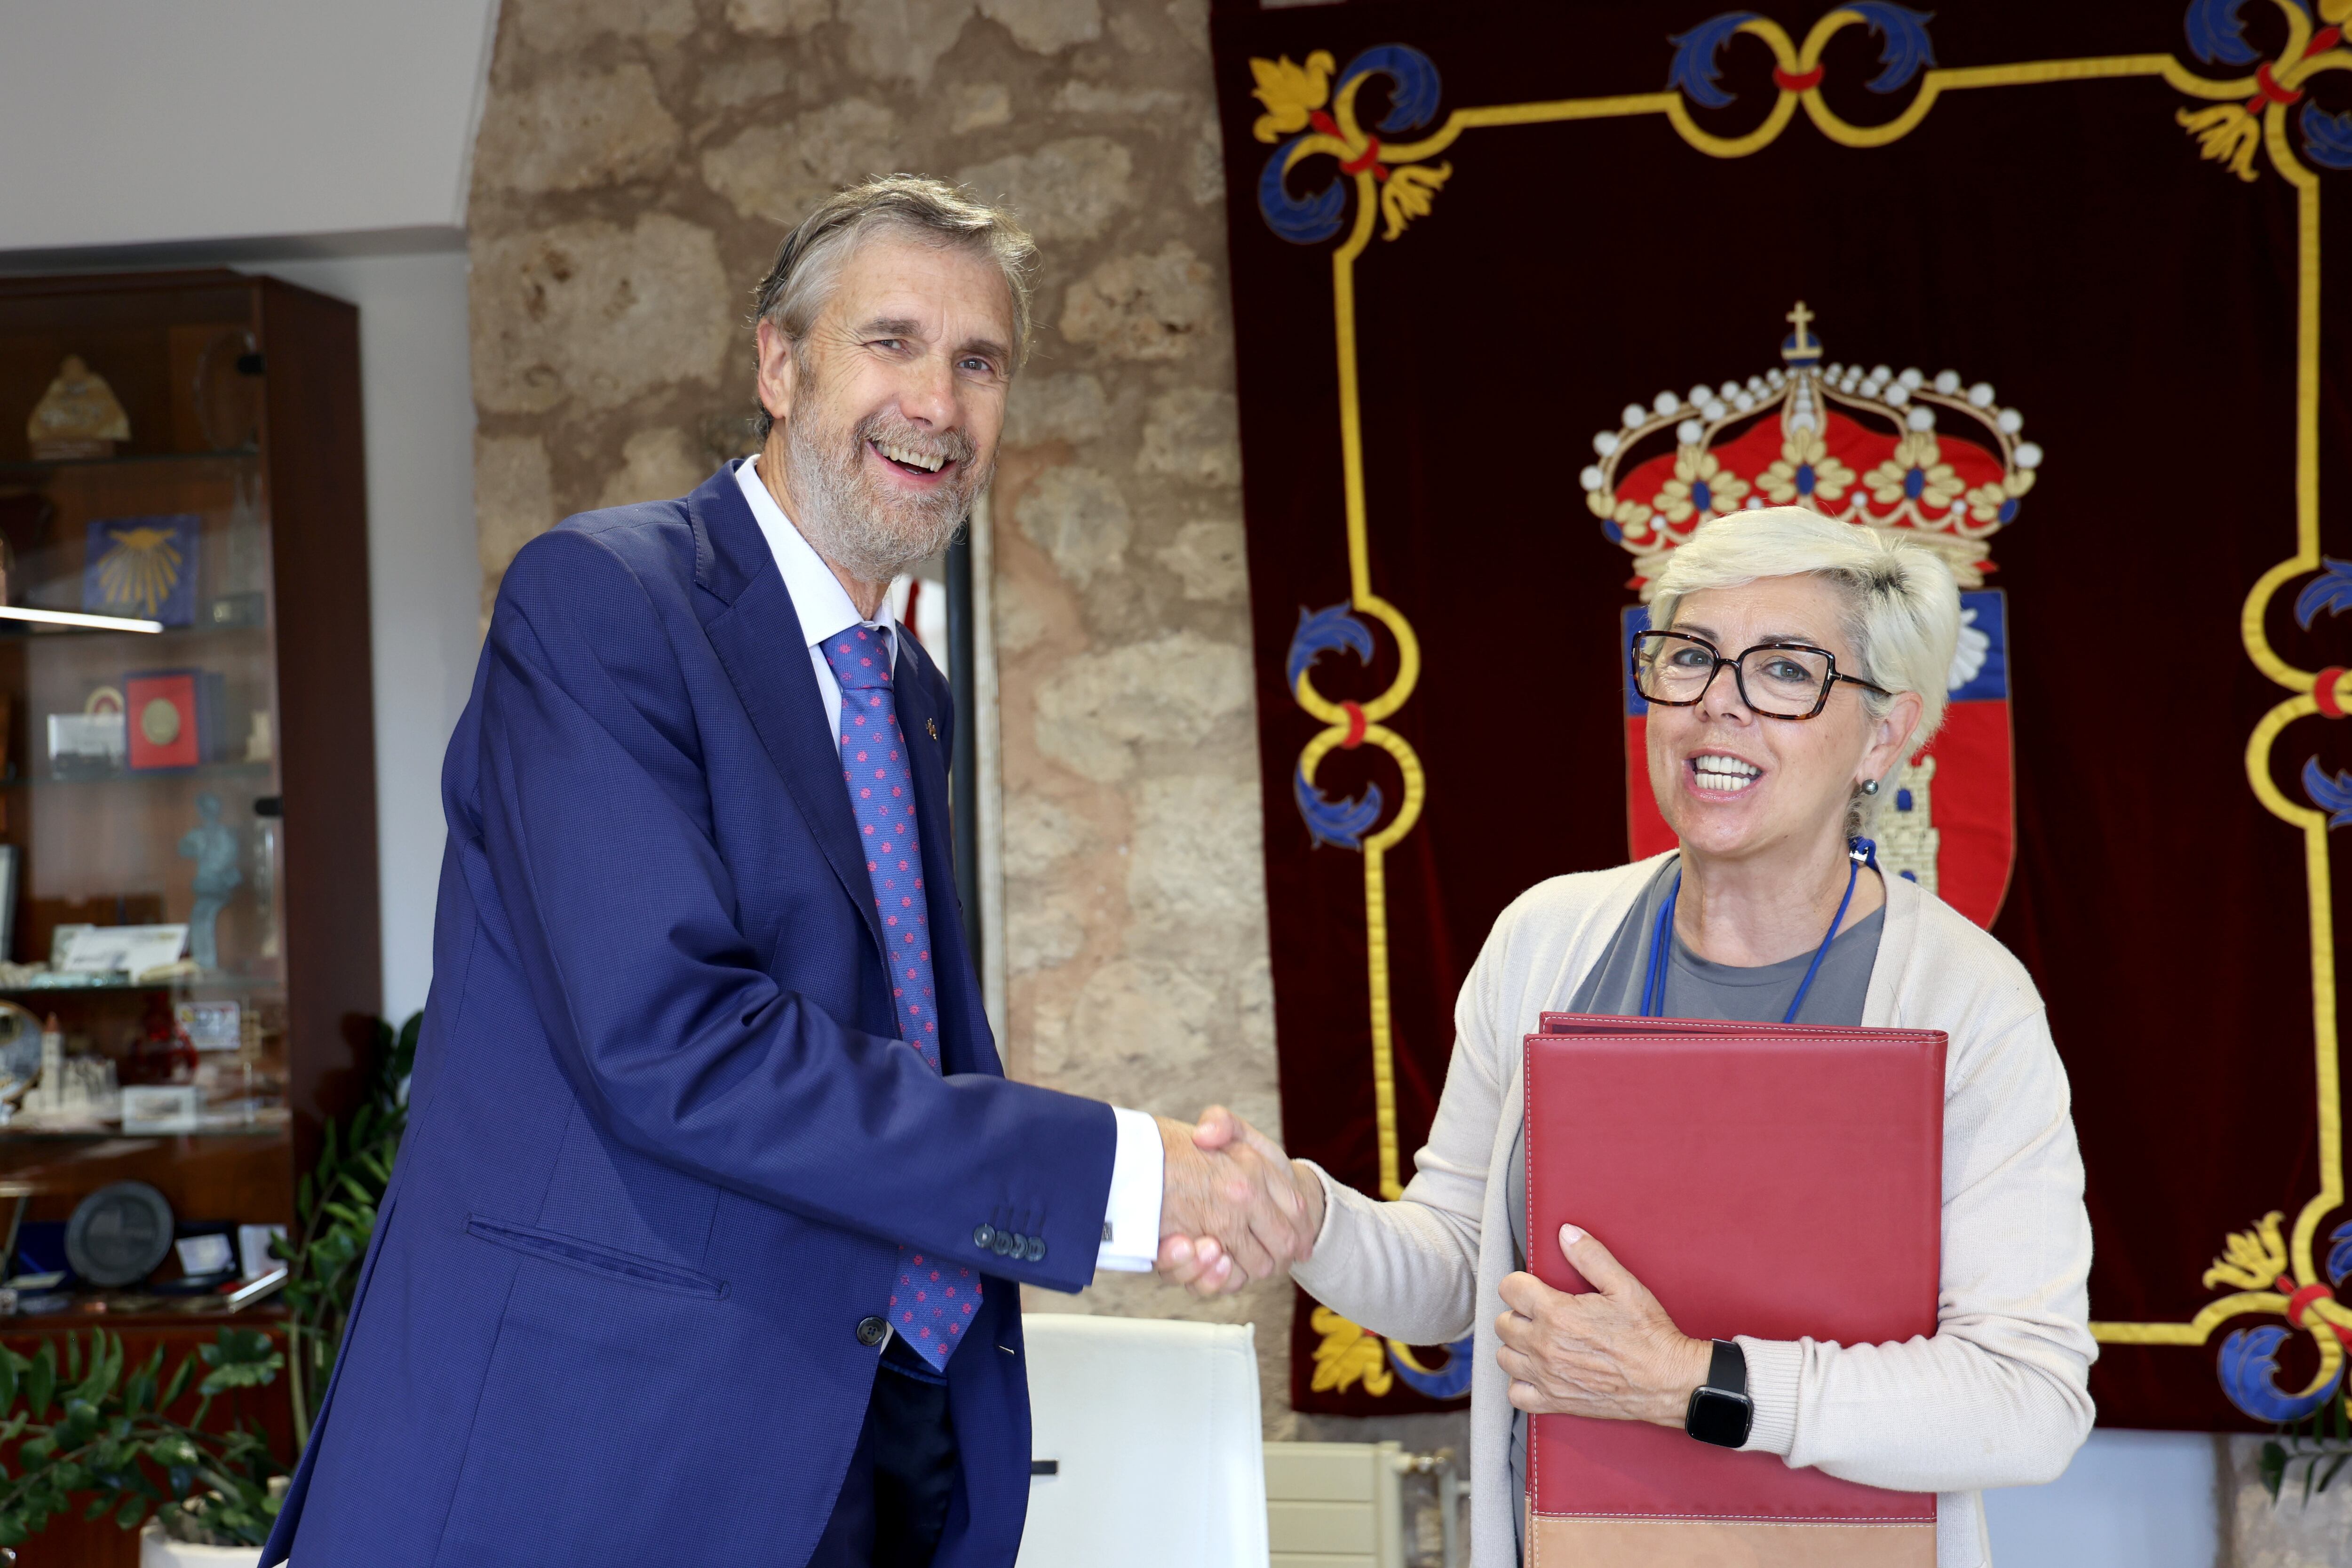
1860	852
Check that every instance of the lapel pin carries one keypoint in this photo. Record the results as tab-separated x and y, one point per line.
933	726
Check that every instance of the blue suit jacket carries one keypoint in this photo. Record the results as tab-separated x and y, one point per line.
664	1145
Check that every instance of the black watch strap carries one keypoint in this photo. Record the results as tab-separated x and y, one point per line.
1720	1411
1728	1368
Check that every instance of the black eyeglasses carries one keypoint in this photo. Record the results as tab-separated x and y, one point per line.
1779	680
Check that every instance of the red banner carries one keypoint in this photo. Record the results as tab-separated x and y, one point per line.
1524	294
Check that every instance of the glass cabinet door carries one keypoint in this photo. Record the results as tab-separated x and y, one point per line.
141	853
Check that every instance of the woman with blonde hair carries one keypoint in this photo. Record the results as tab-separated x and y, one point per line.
1794	664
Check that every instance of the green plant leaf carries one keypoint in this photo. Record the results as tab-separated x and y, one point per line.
178	1385
139	1393
232	1346
132	1513
240	1358
73	1358
42	1381
105	1366
2272	1468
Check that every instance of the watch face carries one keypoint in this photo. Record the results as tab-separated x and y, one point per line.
1719	1417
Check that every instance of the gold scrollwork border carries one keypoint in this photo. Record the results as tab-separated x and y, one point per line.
1293	94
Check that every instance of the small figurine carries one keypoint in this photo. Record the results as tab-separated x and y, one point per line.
77	417
163	1052
213	845
52	1087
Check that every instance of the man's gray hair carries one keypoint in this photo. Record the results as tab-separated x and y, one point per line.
808	262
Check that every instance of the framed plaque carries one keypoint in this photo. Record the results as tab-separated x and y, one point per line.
170	715
142	567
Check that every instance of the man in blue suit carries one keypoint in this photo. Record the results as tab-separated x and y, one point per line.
706	1243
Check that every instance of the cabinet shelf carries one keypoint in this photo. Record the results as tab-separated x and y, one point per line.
144	775
151	644
224	985
33	467
182	1142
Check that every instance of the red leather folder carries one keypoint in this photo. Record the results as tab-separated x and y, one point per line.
1778	1181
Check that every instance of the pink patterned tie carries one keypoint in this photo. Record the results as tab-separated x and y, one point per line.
932	1301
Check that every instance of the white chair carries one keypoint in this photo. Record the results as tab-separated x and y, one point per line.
1147	1445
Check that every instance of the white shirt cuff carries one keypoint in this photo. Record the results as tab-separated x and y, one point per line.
1130	1241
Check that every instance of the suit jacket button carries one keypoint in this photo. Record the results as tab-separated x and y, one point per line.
1006	1242
870	1331
1036	1252
983	1236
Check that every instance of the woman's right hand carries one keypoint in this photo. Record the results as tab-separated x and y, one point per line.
1198	1263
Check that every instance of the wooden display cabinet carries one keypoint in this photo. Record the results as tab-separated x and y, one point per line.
234	513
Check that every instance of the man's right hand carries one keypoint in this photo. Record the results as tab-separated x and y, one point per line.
1240	1207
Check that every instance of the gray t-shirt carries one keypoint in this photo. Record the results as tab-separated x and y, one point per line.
1698	988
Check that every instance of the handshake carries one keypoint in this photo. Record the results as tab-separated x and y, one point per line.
1233	1208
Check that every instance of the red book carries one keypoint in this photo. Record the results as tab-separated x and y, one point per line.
1778	1181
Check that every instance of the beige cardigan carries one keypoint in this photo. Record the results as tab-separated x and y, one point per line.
1998	1397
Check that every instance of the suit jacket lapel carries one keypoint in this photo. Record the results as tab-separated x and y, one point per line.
751	625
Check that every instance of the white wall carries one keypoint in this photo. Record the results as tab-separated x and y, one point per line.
130	122
2130	1499
423	575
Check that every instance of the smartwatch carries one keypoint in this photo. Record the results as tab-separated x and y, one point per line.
1720	1411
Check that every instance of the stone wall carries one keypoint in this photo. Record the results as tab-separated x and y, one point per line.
637	163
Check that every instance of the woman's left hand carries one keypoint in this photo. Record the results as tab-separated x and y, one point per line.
1613	1354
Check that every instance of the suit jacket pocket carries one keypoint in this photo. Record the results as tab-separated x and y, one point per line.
572	1252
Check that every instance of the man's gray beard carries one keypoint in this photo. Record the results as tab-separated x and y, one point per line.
837	509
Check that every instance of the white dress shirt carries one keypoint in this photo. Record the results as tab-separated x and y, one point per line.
1131	1223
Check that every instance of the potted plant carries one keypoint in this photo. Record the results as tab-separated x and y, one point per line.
335	1212
89	1435
86	1427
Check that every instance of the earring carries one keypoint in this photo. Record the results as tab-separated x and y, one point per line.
1870	786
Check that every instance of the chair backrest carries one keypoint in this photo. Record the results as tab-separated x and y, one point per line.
1154	1436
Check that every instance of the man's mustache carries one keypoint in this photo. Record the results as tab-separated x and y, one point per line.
952	446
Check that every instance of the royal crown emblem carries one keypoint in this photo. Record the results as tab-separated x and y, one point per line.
1938	458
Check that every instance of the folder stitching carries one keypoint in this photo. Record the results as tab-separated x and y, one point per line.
1799	1521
